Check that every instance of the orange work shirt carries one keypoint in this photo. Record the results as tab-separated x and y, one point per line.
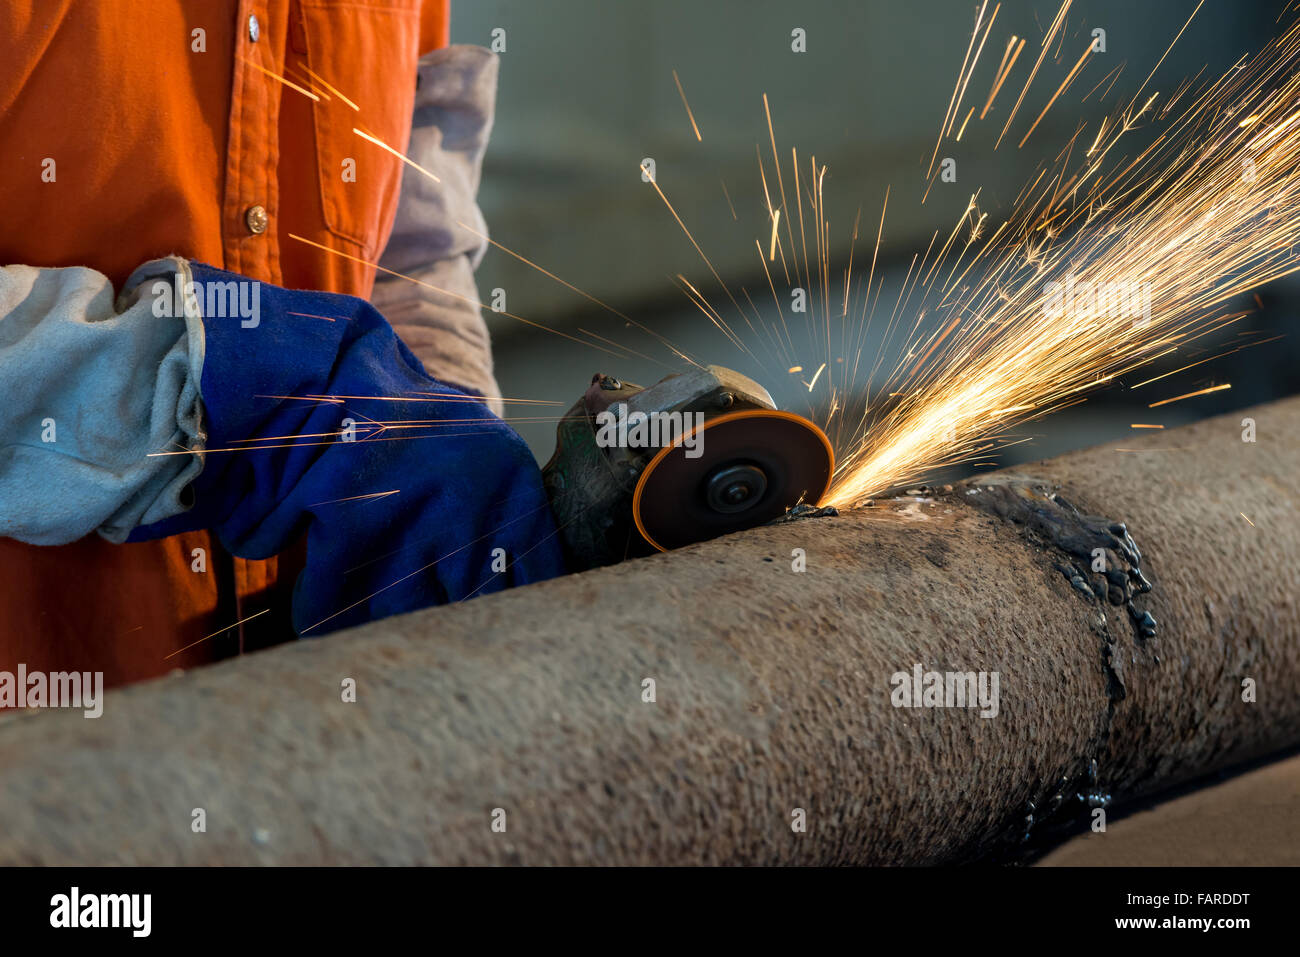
131	131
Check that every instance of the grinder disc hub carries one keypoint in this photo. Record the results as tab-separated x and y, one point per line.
734	488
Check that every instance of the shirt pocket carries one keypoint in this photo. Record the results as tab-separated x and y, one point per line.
368	51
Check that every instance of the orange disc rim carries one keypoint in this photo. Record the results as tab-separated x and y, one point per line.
719	420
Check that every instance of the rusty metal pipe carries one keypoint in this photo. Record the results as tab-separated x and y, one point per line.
772	694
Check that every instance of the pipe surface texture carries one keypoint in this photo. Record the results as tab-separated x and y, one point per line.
524	728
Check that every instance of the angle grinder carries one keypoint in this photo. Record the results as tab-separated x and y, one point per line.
694	456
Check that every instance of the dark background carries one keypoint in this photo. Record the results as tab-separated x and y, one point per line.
587	92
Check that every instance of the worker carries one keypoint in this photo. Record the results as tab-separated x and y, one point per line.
218	421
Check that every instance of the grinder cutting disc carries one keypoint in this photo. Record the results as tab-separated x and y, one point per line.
754	465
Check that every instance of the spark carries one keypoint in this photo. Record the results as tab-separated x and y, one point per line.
332	438
1191	395
414	397
780	183
1143	425
279	79
215	633
325	83
308	83
1248	521
971	72
446	292
730	205
308	315
1200	362
1171	46
701	303
651	180
398	153
1047	42
1112	74
368	497
1059	90
963	124
689	114
1003	72
954	104
586	295
487	535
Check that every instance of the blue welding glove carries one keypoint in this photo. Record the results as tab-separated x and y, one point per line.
466	514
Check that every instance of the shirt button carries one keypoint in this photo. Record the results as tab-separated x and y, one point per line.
254	30
256	219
